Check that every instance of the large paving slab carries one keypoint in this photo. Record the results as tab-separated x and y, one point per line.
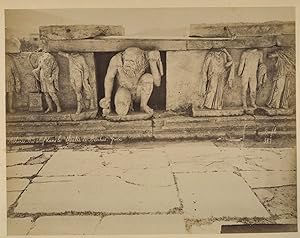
65	225
16	184
12	197
202	166
280	161
142	224
20	171
18	226
95	193
15	158
109	162
261	179
69	162
217	195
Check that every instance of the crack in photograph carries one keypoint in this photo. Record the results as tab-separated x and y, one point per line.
150	120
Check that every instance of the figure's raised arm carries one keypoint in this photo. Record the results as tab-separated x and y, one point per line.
228	58
155	66
110	75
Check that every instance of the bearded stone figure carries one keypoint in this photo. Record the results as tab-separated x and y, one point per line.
129	71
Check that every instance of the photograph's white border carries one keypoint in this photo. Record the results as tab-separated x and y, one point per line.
51	4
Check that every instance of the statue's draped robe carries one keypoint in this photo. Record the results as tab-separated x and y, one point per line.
79	74
214	75
11	75
48	73
281	82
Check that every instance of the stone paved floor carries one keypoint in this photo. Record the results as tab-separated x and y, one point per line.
144	188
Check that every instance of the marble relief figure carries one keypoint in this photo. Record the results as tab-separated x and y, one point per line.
12	81
128	70
217	71
79	78
250	62
47	75
285	66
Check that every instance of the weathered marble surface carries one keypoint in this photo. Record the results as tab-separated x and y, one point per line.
184	74
119	43
66	94
79	32
242	29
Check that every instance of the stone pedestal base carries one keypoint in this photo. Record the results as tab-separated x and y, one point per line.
198	112
274	112
52	116
134	116
35	102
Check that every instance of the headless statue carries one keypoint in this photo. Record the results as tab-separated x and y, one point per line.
249	64
285	68
79	78
218	69
47	74
128	70
12	81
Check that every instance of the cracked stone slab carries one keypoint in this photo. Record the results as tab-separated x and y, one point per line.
40	159
208	195
69	162
12	197
136	159
20	171
108	162
142	224
161	177
264	195
16	184
190	151
202	166
244	165
284	202
262	179
18	226
280	161
20	157
65	225
95	193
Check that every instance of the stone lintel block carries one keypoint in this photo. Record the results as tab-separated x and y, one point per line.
79	32
108	44
242	42
243	29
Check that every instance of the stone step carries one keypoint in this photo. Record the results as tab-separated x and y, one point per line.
173	127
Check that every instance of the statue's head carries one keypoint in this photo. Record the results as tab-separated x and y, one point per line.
133	60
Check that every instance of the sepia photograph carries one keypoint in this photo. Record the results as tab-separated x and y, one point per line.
140	121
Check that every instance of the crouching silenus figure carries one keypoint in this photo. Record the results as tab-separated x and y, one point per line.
134	84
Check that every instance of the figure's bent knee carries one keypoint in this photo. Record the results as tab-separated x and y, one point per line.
147	78
122	101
